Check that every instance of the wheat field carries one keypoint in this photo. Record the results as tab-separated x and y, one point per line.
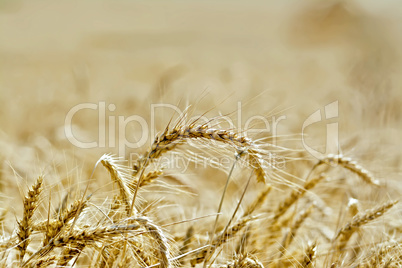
200	134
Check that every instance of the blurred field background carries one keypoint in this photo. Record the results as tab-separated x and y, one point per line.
288	58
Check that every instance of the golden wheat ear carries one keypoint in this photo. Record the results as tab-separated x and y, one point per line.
309	256
54	227
170	139
257	203
44	262
351	165
343	235
146	180
291	234
79	239
31	202
295	195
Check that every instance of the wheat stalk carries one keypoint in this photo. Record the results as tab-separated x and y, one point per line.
156	232
119	175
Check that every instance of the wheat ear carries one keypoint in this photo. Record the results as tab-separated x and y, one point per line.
147	179
187	241
309	256
25	225
275	227
290	235
294	196
343	235
43	262
351	165
54	227
85	237
262	196
169	140
382	255
69	253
